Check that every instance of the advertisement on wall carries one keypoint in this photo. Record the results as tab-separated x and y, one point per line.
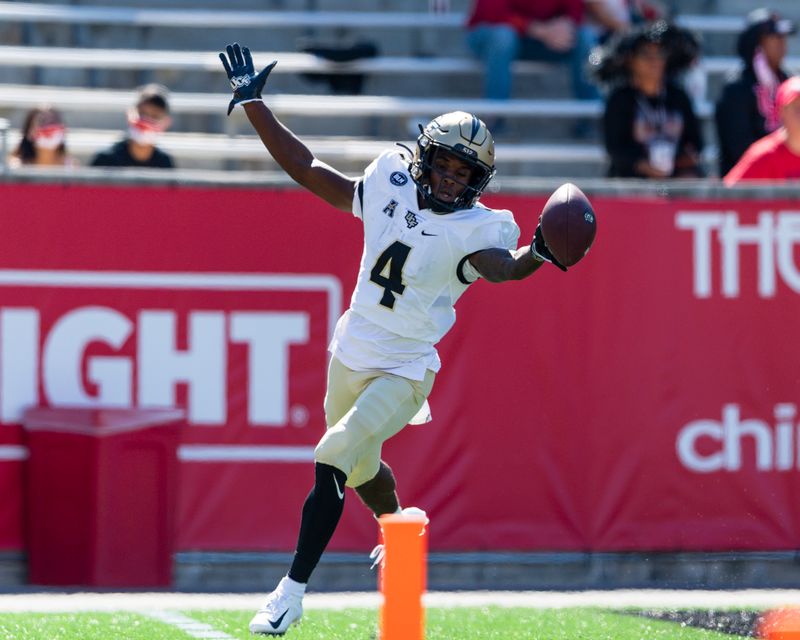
644	400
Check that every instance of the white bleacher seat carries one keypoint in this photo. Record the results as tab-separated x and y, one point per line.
215	147
78	14
111	100
84	142
288	62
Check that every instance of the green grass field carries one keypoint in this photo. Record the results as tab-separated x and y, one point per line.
486	623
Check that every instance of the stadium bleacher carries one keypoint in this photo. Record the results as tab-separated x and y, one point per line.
86	57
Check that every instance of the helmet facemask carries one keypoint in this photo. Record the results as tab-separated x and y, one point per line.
465	137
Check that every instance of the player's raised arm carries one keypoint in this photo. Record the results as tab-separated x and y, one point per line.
288	151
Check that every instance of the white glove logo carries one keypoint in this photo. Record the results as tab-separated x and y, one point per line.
239	81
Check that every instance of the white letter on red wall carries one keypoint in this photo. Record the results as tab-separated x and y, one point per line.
202	366
19	362
63	354
268	336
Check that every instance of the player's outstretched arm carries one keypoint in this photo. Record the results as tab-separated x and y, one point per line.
500	265
287	149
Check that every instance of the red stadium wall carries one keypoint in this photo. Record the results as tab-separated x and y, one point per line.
646	400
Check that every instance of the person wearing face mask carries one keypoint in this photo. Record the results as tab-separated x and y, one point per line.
43	141
746	110
147	121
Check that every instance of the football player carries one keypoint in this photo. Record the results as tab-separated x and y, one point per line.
426	239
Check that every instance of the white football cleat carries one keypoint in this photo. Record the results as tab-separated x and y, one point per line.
416	511
282	609
379	552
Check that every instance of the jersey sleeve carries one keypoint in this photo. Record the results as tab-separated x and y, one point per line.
499	232
358	199
367	184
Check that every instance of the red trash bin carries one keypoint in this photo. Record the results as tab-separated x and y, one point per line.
101	489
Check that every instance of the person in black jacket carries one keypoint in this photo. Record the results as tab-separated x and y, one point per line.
147	120
649	125
745	111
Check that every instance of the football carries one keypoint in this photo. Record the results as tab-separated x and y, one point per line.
568	224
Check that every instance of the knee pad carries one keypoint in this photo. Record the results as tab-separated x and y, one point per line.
332	446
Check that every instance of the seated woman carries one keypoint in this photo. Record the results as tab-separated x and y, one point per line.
649	126
43	142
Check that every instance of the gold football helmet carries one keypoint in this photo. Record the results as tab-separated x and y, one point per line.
465	136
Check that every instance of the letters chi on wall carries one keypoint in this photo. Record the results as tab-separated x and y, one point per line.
647	399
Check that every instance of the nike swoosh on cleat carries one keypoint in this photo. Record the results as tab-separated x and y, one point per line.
339	492
277	623
429	234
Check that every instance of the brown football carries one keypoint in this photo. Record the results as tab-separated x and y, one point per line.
568	224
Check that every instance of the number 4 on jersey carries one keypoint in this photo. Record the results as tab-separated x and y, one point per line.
391	261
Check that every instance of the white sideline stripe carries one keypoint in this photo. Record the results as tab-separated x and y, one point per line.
51	602
188	625
13	452
236	453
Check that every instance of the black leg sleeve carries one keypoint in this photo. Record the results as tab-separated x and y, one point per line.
321	513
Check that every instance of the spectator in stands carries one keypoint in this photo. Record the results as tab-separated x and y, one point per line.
43	142
777	155
650	128
501	31
746	108
147	120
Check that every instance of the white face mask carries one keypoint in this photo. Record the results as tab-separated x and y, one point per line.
53	141
140	136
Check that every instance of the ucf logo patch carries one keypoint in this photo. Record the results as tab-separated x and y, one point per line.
411	219
240	81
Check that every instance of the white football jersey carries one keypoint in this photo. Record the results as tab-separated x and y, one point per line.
413	269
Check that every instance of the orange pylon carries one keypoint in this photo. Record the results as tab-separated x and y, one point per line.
403	577
780	624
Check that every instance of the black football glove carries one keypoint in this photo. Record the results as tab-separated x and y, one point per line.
540	251
245	82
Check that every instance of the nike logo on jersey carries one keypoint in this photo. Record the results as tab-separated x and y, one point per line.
339	492
424	233
277	623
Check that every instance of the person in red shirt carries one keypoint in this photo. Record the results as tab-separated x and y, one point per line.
501	31
777	155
